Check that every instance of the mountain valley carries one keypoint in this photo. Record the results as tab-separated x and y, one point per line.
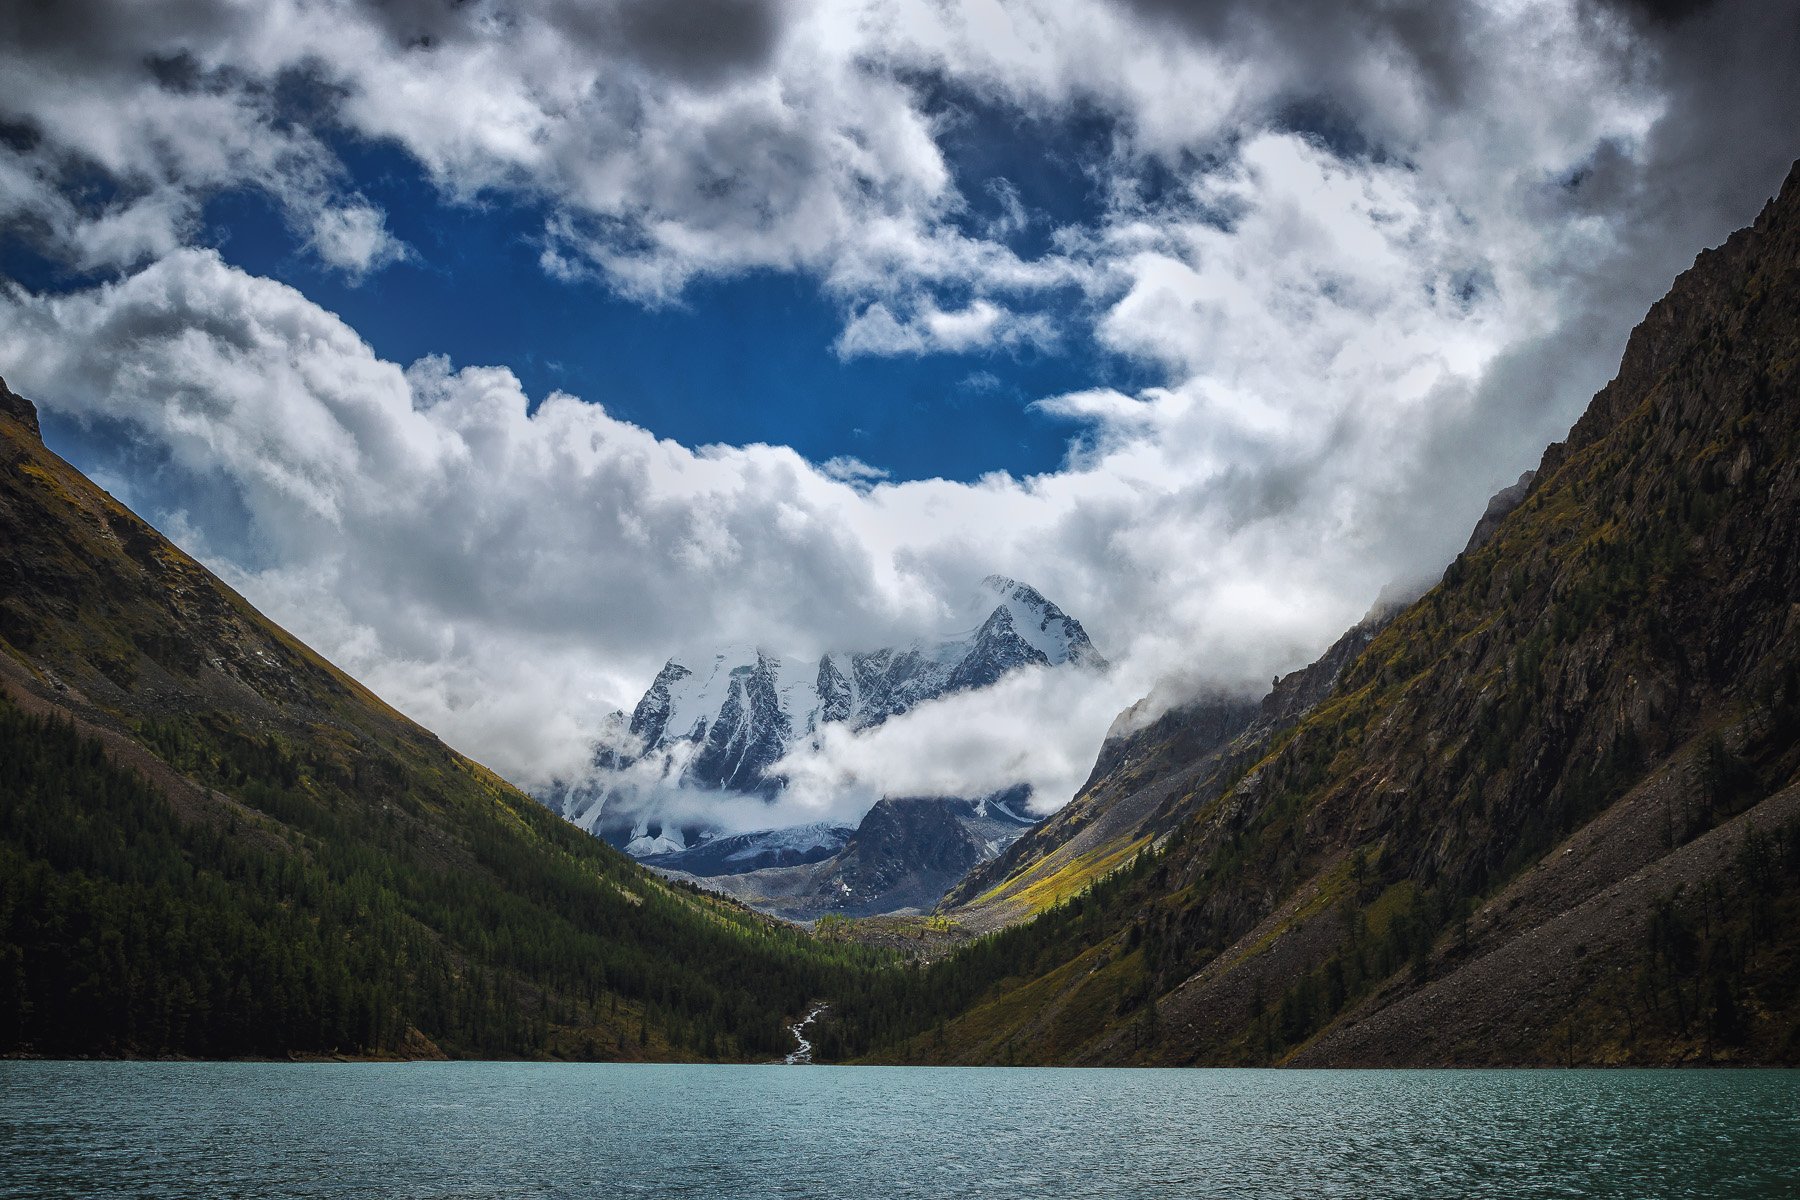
1546	813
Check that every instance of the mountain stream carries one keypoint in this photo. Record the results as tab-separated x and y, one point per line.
802	1054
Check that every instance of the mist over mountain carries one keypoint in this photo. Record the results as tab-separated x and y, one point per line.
900	859
709	746
1548	812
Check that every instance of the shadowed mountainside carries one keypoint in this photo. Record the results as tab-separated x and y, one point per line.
1145	782
214	843
1547	814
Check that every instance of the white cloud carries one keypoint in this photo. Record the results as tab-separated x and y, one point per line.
854	471
355	239
1036	726
1357	334
878	331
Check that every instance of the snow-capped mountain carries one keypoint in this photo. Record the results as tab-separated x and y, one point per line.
720	722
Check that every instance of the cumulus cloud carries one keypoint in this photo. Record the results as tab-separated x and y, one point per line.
1374	256
673	141
878	331
355	239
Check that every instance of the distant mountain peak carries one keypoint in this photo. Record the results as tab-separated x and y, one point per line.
720	720
1047	629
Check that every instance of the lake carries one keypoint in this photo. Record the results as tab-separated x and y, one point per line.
526	1130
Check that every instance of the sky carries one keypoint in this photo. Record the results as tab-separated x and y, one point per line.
502	348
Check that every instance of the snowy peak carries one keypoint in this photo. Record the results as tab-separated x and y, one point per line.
735	708
650	719
1051	634
722	720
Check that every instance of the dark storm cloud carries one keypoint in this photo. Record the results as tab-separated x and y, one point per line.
88	35
699	42
702	41
1729	76
1731	72
1665	12
425	23
1321	42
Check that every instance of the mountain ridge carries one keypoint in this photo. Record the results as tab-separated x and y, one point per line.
216	844
1197	747
1546	815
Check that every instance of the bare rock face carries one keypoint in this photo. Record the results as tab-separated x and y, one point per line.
19	409
900	859
1502	503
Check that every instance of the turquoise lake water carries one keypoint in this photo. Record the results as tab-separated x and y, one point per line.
471	1130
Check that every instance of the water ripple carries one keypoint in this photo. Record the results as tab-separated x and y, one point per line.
515	1131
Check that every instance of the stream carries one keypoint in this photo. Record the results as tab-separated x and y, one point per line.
802	1054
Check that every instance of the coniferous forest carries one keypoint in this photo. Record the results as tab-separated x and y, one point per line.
129	930
216	844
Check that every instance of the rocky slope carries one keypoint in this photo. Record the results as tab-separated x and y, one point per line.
214	843
902	857
736	853
720	723
1148	779
1547	814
